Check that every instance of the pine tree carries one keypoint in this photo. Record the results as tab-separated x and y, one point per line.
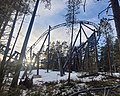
106	49
116	15
116	55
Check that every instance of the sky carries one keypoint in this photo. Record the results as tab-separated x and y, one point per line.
55	16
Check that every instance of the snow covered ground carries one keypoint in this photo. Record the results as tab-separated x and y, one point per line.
61	88
55	76
50	76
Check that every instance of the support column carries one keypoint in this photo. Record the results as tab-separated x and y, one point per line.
22	55
48	49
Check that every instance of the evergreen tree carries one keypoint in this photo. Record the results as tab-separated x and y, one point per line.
8	8
106	49
116	15
58	52
116	55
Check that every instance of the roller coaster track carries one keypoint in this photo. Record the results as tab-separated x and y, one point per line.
62	25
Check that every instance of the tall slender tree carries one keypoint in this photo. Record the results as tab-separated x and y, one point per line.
23	50
116	14
106	50
116	56
7	49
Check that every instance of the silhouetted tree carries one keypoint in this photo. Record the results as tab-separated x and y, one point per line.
116	56
107	48
116	15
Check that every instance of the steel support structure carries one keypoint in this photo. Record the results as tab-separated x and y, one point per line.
23	50
82	49
48	49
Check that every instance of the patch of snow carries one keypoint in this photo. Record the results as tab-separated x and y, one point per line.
116	74
50	76
55	76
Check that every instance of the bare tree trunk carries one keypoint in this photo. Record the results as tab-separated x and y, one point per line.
5	24
23	50
1	23
116	13
3	28
2	71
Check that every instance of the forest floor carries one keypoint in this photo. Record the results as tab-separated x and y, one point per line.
52	84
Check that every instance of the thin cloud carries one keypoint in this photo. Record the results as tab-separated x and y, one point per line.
51	17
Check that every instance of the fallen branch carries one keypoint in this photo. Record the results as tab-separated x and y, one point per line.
110	76
95	89
89	75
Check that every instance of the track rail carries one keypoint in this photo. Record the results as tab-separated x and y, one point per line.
62	25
